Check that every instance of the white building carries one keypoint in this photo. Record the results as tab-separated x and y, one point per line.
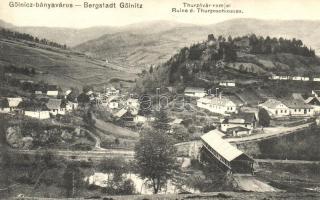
220	105
239	131
14	102
52	91
39	114
67	92
316	79
133	103
244	120
275	108
274	77
142	119
70	106
287	107
35	110
113	104
315	103
298	107
195	92
227	84
284	78
112	91
297	78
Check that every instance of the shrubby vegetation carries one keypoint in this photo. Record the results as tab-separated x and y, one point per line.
32	134
264	118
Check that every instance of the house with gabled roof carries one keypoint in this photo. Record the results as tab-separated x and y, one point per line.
220	105
56	106
35	109
238	131
14	102
120	113
222	154
298	107
244	119
275	108
313	101
287	107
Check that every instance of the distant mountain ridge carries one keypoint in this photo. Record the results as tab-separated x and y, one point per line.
154	42
155	48
74	36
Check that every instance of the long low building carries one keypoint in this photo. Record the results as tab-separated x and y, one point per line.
221	153
195	92
287	107
220	105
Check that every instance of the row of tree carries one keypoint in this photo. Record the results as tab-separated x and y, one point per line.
6	33
18	70
270	45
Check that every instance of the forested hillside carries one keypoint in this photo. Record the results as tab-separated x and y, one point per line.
220	58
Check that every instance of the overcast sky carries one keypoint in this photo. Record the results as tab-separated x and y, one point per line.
153	10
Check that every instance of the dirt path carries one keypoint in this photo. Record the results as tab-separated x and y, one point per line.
270	132
81	155
113	129
286	161
251	184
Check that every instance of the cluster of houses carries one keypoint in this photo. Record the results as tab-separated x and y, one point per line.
235	122
40	109
46	104
50	102
122	107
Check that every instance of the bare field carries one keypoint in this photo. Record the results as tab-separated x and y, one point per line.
64	68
